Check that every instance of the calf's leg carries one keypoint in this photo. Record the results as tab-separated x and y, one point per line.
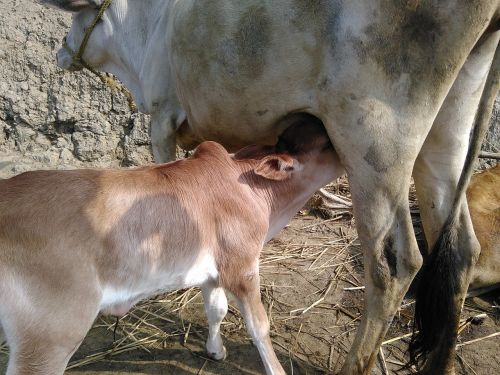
247	294
44	320
216	309
42	344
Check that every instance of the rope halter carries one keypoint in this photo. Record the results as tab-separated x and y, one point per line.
77	61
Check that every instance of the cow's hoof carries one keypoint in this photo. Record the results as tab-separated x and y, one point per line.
218	356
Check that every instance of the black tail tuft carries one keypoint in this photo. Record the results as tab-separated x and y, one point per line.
435	310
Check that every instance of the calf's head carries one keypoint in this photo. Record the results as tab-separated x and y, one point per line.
303	151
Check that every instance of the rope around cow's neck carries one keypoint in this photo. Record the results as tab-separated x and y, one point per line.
78	56
77	59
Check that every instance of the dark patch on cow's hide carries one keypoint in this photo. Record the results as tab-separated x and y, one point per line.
390	256
309	13
384	268
407	44
252	40
321	17
197	34
380	157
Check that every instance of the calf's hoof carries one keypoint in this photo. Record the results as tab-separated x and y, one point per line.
218	356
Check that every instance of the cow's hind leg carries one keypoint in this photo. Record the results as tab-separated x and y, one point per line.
379	172
2	335
215	309
163	137
437	173
391	259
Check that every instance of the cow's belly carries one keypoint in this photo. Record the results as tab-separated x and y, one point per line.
238	122
235	118
241	66
237	77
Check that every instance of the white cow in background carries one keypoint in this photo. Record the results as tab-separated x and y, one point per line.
130	43
396	84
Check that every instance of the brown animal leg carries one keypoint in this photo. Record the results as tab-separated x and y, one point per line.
254	314
45	323
41	348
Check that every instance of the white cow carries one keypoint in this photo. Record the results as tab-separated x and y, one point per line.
396	84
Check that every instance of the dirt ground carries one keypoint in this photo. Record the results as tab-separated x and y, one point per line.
312	280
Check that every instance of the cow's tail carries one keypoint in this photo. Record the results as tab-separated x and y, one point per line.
437	309
2	335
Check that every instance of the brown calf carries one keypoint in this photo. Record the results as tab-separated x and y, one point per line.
76	243
483	197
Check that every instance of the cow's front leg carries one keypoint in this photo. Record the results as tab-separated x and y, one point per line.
247	292
163	137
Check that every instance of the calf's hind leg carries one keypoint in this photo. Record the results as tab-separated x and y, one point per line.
45	326
44	344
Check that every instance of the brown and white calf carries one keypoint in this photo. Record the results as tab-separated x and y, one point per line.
76	243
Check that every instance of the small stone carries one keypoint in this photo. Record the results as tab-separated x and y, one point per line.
66	156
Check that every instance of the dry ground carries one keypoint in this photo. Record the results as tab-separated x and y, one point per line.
312	284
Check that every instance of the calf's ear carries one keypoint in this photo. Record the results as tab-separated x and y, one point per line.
275	167
73	5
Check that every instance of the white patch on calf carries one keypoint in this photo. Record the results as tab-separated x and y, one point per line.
117	300
202	270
